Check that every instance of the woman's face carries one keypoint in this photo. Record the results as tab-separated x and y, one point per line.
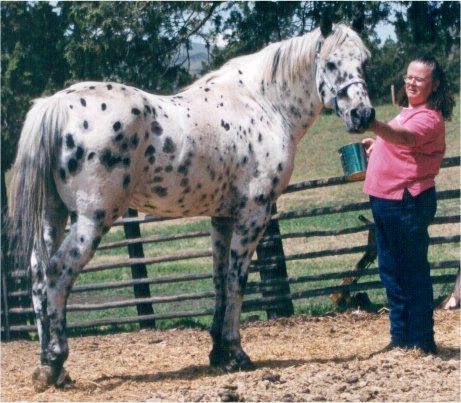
418	83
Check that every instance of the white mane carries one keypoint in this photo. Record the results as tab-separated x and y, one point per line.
285	60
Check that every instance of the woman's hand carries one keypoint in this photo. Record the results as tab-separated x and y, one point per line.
368	143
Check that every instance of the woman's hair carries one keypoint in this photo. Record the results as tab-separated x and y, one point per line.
441	99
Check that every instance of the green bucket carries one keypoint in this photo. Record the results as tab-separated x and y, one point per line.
354	161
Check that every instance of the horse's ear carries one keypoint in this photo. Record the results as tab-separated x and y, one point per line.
359	23
326	25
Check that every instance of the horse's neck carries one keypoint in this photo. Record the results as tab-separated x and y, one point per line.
297	102
289	85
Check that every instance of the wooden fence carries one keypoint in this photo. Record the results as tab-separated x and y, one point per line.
275	284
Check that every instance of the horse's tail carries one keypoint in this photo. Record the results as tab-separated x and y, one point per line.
32	180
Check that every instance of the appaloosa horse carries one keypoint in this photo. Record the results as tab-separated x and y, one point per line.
224	147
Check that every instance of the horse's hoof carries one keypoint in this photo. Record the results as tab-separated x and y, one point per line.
42	378
63	379
239	364
216	358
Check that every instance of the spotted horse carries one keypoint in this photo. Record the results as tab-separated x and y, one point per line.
224	147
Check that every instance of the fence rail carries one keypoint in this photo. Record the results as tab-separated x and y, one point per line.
271	293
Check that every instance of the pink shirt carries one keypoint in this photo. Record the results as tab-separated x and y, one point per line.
392	167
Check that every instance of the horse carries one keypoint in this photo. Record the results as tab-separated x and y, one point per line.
223	147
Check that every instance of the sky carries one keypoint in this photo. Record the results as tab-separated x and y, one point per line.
385	31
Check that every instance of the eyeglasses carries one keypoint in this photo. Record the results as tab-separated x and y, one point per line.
417	80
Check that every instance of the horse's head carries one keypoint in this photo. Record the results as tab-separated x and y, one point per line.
340	58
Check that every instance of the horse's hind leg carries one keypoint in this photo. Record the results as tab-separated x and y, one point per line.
75	251
54	222
221	235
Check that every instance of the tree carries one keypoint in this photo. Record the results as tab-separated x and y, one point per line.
136	42
32	64
430	27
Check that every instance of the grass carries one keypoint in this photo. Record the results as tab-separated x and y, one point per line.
317	157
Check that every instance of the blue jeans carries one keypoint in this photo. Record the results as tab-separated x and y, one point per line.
403	242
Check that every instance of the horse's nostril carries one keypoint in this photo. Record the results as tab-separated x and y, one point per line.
372	115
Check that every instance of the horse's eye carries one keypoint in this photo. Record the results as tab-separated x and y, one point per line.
342	92
331	66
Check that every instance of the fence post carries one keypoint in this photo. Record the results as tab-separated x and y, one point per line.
274	248
5	309
132	230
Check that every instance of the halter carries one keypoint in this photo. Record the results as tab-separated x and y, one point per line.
334	90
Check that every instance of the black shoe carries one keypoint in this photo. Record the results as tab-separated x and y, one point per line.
393	345
430	348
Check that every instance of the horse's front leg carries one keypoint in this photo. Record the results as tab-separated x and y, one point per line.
63	268
221	235
247	233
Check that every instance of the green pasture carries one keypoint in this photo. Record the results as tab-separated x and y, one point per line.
316	158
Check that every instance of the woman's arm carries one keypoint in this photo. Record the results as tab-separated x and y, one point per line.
393	134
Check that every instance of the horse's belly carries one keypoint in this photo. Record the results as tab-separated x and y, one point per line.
181	198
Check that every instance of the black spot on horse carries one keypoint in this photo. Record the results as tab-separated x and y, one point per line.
135	111
117	125
260	200
82	101
91	155
160	191
74	253
123	146
225	125
126	181
156	128
72	166
103	106
150	150
109	86
182	169
85	124
118	137
331	66
96	242
108	160
169	146
79	153
99	215
70	143
62	174
134	141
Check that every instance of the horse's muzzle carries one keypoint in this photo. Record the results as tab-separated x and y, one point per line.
360	119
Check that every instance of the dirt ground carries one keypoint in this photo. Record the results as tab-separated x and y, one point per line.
330	358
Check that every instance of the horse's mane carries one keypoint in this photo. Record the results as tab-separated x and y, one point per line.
338	36
285	60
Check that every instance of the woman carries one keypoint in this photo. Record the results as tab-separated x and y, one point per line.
403	162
